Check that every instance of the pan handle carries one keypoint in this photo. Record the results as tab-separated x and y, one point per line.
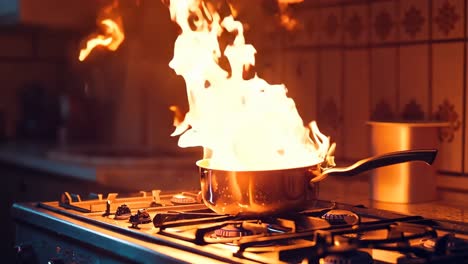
426	155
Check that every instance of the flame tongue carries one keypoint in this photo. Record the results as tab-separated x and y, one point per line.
242	124
113	34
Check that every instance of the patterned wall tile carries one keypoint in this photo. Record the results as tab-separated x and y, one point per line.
329	111
465	120
414	82
356	24
328	2
356	104
307	33
301	81
383	84
270	66
330	25
384	22
447	19
414	20
266	41
447	101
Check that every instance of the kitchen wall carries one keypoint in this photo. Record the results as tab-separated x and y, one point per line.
30	58
117	97
149	86
39	44
355	61
348	62
40	71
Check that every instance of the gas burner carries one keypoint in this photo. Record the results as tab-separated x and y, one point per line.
341	217
326	232
235	230
428	243
184	198
141	217
123	212
353	257
444	244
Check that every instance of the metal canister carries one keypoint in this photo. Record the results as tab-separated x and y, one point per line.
411	182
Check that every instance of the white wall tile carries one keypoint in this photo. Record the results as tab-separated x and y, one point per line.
301	81
15	45
330	96
414	81
384	22
270	66
448	95
356	105
414	20
465	120
330	26
308	31
447	19
356	24
383	81
14	77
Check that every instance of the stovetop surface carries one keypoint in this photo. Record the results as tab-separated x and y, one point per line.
325	233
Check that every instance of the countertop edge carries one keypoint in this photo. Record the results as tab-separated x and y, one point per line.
47	165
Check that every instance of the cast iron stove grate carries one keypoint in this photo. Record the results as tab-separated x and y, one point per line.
307	236
405	236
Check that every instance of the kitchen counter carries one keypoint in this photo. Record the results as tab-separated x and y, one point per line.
34	156
178	172
161	170
355	190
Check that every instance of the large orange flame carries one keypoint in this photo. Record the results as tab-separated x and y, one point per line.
285	18
112	35
241	124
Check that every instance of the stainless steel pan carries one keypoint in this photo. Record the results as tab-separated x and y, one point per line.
274	191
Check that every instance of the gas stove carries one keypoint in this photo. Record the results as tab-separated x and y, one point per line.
158	226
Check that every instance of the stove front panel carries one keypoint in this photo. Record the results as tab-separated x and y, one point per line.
91	231
43	235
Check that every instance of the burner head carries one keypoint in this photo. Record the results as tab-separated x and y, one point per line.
341	217
444	244
355	257
123	212
141	217
183	199
233	230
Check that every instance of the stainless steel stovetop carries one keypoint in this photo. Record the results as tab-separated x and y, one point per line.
156	227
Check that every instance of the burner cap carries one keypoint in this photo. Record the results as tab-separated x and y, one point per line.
429	243
123	212
444	243
357	256
233	231
183	199
141	217
341	217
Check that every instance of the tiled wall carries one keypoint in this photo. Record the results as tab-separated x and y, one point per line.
28	55
47	57
355	61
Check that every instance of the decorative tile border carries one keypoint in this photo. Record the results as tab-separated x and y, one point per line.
330	26
413	22
413	111
382	111
446	112
383	25
354	27
329	115
370	25
447	19
389	22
